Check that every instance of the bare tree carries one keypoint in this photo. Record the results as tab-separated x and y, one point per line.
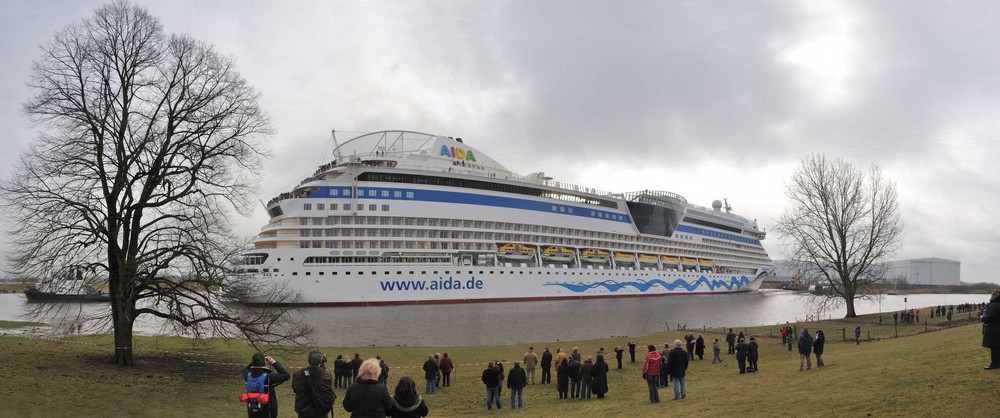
148	142
843	224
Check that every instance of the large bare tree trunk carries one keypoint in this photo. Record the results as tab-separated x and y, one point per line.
123	340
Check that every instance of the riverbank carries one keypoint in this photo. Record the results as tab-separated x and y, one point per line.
921	373
977	289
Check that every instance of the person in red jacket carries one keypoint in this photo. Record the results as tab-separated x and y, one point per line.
651	372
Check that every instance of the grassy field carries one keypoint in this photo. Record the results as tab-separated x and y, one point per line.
929	374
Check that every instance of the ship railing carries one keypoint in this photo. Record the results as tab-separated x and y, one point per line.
477	170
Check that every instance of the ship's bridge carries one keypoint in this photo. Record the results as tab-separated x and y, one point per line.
656	212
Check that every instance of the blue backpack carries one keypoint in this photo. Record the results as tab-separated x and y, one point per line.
256	395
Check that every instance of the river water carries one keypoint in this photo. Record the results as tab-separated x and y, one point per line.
519	322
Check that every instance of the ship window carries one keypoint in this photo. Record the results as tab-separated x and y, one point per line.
435	272
276	270
334	192
320	206
385	208
398	272
372	193
371	208
308	273
397	194
307	206
411	272
385	193
321	273
333	206
409	195
295	273
361	207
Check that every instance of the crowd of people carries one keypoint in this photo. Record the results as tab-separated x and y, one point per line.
578	375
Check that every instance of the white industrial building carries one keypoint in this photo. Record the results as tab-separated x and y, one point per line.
926	271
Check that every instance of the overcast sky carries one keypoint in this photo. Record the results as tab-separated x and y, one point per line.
708	99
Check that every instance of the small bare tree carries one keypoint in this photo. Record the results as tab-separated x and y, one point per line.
149	141
843	224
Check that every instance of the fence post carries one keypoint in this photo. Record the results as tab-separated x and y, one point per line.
843	334
869	335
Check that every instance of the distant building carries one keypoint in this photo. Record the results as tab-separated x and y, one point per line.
785	271
919	271
926	271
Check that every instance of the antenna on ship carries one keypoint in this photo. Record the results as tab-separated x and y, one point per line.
729	209
336	146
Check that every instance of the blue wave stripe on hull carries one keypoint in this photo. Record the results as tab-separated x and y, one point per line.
645	286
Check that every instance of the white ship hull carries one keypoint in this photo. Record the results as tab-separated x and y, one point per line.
370	286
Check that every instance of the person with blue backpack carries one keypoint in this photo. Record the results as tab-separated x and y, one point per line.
260	398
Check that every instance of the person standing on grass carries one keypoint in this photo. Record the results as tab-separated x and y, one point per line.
857	337
805	349
742	349
546	366
313	388
574	377
355	368
631	350
517	379
731	340
618	355
491	378
437	382
530	360
500	369
259	370
586	378
651	372
716	351
991	329
338	371
752	354
818	347
677	366
383	378
446	367
699	347
430	375
562	379
690	345
600	383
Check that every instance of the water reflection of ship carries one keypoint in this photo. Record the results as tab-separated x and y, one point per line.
70	286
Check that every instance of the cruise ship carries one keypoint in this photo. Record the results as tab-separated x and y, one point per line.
402	217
